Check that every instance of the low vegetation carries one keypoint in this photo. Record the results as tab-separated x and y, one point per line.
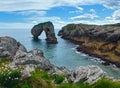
70	27
10	78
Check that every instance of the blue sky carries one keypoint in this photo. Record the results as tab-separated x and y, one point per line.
26	13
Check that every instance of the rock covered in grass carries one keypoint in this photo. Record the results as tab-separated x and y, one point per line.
9	46
89	74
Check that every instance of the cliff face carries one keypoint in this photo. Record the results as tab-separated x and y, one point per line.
99	41
48	27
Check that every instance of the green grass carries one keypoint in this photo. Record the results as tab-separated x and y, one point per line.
70	85
71	27
9	78
105	83
40	79
59	78
4	61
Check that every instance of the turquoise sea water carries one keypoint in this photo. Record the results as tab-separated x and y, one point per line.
61	54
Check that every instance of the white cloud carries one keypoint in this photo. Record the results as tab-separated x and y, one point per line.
111	4
115	18
79	10
20	25
84	16
17	5
57	21
39	9
31	12
92	11
116	15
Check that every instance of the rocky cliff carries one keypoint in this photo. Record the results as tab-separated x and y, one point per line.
101	41
9	47
48	28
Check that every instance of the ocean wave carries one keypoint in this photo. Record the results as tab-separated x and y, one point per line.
82	54
97	60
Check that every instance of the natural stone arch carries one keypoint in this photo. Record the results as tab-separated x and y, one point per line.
48	28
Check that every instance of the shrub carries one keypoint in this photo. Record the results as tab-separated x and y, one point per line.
9	78
59	78
71	26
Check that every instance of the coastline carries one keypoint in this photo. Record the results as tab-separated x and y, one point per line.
88	51
98	41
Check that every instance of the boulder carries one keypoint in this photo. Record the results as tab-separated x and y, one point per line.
89	74
36	59
9	46
48	28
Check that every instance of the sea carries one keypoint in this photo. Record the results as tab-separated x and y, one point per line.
62	54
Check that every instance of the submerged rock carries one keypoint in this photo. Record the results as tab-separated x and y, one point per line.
89	74
9	46
48	28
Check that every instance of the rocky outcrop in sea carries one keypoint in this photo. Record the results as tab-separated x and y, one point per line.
35	58
48	28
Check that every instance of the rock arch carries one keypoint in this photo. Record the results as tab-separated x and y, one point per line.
49	31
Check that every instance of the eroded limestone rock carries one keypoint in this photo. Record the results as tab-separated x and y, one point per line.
9	46
48	28
89	74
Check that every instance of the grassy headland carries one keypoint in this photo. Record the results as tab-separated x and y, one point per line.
101	41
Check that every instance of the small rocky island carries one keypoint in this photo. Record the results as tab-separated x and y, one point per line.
102	41
48	28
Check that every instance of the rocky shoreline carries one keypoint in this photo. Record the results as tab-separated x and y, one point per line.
102	57
97	41
28	61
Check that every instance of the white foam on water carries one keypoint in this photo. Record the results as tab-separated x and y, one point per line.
82	54
97	60
73	48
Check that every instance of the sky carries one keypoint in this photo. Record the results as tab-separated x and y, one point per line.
27	13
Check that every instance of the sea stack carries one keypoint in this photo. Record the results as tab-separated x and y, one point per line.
48	28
